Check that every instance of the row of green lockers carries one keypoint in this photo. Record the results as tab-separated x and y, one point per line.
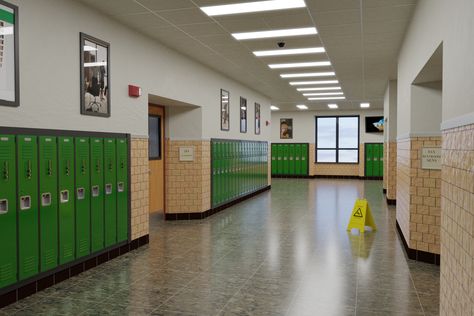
374	160
290	159
238	168
61	198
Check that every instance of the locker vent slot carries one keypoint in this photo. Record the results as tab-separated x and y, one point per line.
120	187
64	196
81	194
3	206
25	202
46	199
108	189
6	272
95	191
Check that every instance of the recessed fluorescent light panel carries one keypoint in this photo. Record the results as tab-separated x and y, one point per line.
302	107
274	108
326	98
258	6
365	105
275	33
293	51
309	74
322	93
319	89
332	106
305	83
301	65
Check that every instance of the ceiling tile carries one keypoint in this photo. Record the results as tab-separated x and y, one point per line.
203	29
115	7
185	16
159	5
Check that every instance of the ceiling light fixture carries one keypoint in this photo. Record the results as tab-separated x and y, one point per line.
302	107
365	105
274	108
327	98
322	93
309	74
301	65
293	51
319	89
332	106
275	33
258	6
303	83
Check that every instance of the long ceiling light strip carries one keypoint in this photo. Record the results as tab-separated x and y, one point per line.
275	33
300	65
322	93
326	98
258	6
319	89
293	51
309	74
317	82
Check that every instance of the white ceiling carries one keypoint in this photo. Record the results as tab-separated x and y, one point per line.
362	39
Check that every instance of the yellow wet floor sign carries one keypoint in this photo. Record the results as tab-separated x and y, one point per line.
361	216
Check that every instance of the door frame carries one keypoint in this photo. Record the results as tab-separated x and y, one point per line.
163	151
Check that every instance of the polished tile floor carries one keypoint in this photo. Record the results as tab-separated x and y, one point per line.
284	252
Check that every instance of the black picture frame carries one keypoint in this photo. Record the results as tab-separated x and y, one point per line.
225	110
257	119
374	124
16	59
95	89
286	132
243	115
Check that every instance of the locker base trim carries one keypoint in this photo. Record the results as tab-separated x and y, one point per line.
418	255
391	202
18	291
212	211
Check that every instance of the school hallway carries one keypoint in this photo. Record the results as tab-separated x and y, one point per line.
283	252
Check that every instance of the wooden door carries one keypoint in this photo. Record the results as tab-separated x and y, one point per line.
156	119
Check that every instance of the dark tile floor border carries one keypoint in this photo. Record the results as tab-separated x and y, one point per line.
24	289
418	255
391	202
212	211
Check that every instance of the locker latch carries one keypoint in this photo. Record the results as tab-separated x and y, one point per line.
5	171
3	206
95	191
122	165
81	194
29	172
64	196
108	189
46	199
50	168
83	167
110	166
120	187
25	202
97	166
68	169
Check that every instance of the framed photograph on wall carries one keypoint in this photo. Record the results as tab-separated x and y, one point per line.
286	128
95	76
257	118
243	115
225	110
9	60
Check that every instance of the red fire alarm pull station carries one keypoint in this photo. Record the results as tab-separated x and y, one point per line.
134	91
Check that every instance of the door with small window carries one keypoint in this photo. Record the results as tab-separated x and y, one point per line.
156	158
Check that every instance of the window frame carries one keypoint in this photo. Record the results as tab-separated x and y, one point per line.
337	149
160	130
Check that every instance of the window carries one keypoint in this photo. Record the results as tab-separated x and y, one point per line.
154	137
337	139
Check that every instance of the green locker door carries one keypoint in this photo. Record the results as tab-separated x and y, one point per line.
66	184
286	161
369	162
214	172
83	201
375	157
97	193
8	211
280	159
380	160
27	166
48	205
220	165
304	159
122	190
291	159
110	202
298	159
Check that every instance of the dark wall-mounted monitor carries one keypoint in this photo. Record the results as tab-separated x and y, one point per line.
374	124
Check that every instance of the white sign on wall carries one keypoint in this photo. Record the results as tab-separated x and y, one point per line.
431	158
186	153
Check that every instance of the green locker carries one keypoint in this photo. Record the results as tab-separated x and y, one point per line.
8	212
280	159
369	162
298	170
291	159
110	199
214	172
97	193
304	159
286	160
48	205
122	190
380	160
375	149
27	166
235	192
66	199
83	201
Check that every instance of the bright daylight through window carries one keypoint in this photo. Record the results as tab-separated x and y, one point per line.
337	139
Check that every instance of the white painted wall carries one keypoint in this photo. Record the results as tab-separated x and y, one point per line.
426	109
49	70
390	111
435	22
304	125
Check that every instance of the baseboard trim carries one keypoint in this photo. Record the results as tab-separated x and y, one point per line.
22	289
391	202
346	177
418	255
286	176
212	211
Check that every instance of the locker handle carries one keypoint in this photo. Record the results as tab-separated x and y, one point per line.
122	165
110	166
29	172
50	168
83	167
97	166
6	175
67	168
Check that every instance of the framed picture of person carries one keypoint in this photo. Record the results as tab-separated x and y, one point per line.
9	60
257	118
95	76
286	128
243	115
225	110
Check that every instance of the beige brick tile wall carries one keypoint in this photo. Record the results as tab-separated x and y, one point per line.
457	223
403	187
390	167
139	187
336	169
